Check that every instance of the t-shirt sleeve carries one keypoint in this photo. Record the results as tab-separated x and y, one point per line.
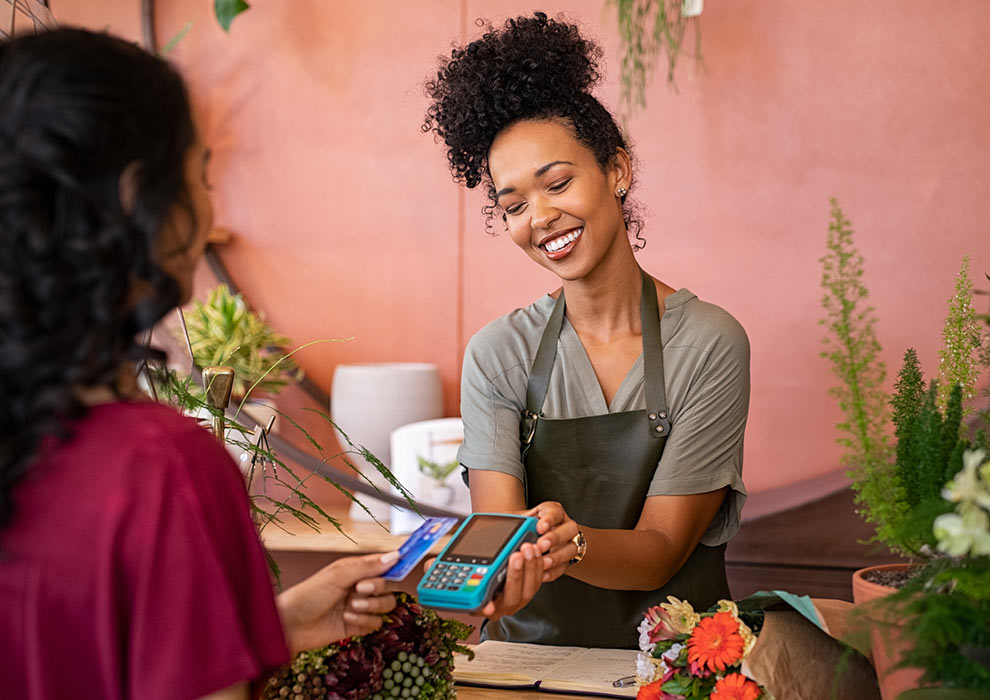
705	449
490	411
201	613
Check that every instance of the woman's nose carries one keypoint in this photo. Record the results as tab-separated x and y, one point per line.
543	215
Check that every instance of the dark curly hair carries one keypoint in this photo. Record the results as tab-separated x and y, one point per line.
533	68
76	109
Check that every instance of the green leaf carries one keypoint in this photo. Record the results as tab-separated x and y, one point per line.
174	41
227	10
678	685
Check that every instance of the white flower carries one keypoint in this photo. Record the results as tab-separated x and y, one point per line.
966	533
967	530
671	654
644	638
646	668
966	484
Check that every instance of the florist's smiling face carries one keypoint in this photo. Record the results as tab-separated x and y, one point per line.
560	206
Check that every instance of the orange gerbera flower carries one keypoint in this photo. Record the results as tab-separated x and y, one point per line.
736	686
716	643
649	692
653	692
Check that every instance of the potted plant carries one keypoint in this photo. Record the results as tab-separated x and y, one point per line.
900	484
442	494
224	331
649	29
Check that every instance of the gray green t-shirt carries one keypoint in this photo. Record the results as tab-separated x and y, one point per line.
706	373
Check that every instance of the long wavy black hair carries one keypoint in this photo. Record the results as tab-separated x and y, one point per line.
76	109
531	68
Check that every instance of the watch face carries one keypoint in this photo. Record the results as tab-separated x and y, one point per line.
582	546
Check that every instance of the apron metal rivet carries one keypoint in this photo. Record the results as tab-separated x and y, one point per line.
659	428
653	416
663	415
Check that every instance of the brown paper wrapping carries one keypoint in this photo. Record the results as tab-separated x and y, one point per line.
795	660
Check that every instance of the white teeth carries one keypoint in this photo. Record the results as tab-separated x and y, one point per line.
558	243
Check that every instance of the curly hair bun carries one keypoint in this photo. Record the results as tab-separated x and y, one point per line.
533	67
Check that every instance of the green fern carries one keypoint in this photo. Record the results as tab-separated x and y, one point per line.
948	605
852	349
962	337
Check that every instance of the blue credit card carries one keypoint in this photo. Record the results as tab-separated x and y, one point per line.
417	546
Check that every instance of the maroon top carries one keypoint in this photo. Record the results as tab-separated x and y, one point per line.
132	568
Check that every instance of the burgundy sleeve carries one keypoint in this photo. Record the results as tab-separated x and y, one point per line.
201	609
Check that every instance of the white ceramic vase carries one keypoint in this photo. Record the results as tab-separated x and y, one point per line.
692	8
369	401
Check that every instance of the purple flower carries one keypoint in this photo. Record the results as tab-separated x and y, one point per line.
355	672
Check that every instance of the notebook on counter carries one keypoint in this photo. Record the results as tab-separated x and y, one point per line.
557	669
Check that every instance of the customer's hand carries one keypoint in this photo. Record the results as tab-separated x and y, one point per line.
343	599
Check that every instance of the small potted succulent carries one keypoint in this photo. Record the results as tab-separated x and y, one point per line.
441	492
224	331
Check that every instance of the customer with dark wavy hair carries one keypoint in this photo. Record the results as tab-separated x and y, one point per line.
129	564
627	447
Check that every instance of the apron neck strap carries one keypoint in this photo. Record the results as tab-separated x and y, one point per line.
656	398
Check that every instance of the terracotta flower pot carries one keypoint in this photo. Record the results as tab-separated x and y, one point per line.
886	636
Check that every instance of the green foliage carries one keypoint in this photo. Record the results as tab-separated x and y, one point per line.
983	358
908	399
948	605
852	349
179	392
227	10
647	30
962	337
929	453
224	331
175	40
436	471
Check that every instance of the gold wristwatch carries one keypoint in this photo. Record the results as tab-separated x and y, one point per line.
582	547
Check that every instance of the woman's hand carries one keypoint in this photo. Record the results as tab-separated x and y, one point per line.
343	599
523	578
557	532
535	564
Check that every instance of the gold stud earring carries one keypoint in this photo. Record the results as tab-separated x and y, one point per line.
621	192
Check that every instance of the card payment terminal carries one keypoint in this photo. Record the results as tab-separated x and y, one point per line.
472	567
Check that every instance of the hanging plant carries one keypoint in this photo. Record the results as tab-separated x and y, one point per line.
648	30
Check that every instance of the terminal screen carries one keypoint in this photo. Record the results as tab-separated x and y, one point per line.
482	539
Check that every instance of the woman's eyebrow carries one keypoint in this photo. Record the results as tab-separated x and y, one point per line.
546	167
539	171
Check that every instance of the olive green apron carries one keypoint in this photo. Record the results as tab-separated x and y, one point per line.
600	468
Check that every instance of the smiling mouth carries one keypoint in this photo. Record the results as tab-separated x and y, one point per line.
555	244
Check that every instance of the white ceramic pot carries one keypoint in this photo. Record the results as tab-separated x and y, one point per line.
692	8
369	401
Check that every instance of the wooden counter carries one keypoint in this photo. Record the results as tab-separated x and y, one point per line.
468	693
358	537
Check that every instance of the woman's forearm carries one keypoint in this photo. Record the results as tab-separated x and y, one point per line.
635	560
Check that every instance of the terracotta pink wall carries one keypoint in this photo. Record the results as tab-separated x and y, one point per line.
348	223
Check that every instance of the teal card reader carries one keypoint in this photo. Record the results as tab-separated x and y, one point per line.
472	567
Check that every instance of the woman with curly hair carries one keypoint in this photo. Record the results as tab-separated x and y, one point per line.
616	416
129	563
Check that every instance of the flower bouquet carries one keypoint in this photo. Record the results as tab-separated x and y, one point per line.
685	654
410	656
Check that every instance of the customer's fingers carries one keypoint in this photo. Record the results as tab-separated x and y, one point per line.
373	604
360	623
